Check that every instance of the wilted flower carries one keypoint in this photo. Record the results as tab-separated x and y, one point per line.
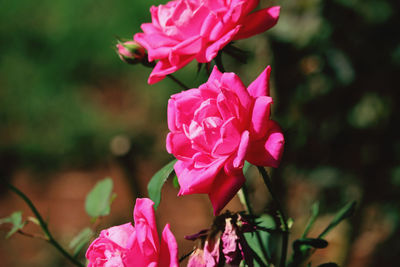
224	243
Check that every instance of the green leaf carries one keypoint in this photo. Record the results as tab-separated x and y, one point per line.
268	239
302	249
313	242
175	182
246	167
314	215
98	201
157	181
80	240
16	220
344	213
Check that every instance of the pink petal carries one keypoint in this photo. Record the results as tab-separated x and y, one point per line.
260	86
258	22
119	234
224	188
188	46
181	108
215	75
268	151
250	5
169	249
157	45
149	28
146	228
179	145
229	140
232	81
197	180
259	120
164	67
238	162
234	13
212	50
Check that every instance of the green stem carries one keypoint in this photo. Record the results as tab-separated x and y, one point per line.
185	256
218	62
152	64
250	211
284	225
181	84
44	227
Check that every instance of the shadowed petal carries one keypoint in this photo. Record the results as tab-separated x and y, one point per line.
258	22
268	151
169	249
224	188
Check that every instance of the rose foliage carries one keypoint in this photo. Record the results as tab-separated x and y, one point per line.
126	245
184	30
215	128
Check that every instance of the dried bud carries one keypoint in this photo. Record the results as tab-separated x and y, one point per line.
224	243
131	52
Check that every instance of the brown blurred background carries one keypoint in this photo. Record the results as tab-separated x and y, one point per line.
71	114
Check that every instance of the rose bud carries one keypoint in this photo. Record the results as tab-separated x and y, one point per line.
131	52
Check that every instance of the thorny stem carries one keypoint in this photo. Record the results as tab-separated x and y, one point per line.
284	225
44	227
250	211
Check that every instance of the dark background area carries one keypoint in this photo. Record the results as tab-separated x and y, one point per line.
72	113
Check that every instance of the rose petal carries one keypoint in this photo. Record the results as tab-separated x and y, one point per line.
260	86
145	226
224	188
232	81
260	116
238	162
258	22
119	234
169	249
197	180
179	145
268	151
212	50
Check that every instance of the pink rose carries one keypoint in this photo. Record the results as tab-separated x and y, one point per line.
125	245
184	30
218	126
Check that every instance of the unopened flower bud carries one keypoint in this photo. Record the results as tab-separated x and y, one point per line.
131	52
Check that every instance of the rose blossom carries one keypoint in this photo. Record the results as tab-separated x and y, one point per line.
215	128
184	30
126	245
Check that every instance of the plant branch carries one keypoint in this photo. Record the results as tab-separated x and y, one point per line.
283	220
32	235
44	227
250	211
145	62
218	62
181	84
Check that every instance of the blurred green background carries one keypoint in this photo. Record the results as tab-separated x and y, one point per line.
66	102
